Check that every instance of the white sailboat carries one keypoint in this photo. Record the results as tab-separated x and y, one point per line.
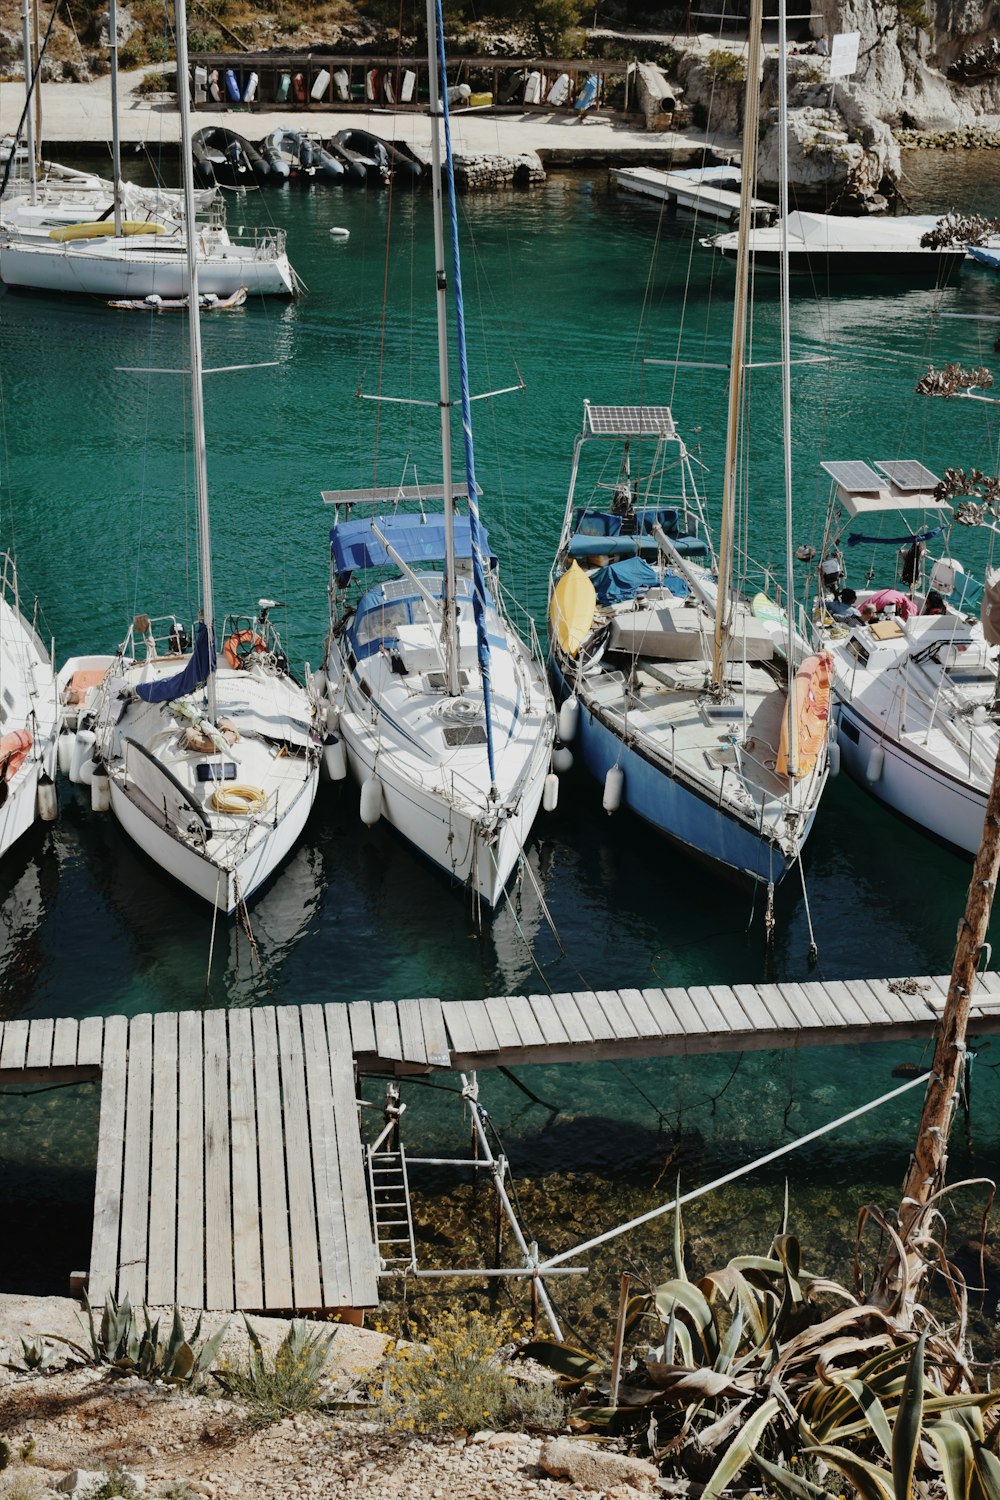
915	671
696	709
75	233
211	762
442	709
29	717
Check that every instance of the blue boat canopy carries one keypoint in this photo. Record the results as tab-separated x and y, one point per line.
353	544
618	581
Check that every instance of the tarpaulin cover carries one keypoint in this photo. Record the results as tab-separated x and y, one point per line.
623	580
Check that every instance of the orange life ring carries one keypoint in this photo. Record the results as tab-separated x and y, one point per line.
247	638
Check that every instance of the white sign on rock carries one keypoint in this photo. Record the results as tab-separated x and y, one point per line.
844	54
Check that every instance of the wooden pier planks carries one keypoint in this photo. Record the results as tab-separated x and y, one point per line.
230	1170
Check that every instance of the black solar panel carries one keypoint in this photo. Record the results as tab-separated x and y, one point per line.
630	421
907	474
855	476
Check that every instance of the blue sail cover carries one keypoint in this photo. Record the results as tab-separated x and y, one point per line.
353	544
618	581
198	668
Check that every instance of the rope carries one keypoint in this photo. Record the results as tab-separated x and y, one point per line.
813	949
738	1172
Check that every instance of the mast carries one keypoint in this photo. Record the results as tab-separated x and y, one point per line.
37	74
737	358
116	145
472	489
194	330
786	380
29	115
449	623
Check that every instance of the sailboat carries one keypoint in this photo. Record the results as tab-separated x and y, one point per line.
80	234
442	709
915	670
210	761
29	717
696	708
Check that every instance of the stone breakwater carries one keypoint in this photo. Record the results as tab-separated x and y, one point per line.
970	138
484	173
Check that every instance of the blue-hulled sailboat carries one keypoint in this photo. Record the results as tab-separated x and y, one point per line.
695	707
442	709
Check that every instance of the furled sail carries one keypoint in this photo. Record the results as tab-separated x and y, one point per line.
197	669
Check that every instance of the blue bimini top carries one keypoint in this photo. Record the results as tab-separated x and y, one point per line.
353	544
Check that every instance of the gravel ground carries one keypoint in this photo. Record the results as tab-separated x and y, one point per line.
79	1419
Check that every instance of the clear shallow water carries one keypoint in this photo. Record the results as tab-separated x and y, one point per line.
97	498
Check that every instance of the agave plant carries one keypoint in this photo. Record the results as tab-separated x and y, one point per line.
760	1362
119	1341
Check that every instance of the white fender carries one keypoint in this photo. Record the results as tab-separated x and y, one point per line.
331	720
876	761
87	771
47	799
569	718
100	790
82	748
371	801
64	752
614	784
833	758
550	793
334	758
562	760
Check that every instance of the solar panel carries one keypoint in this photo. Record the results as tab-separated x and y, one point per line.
907	474
630	421
855	476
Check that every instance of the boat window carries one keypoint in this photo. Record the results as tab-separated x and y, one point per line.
437	682
381	621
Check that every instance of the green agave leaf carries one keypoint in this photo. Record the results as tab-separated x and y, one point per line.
871	1482
987	1471
790	1486
731	1340
731	1280
954	1448
679	1270
740	1451
765	1263
789	1252
874	1411
613	1420
570	1363
909	1421
688	1298
182	1363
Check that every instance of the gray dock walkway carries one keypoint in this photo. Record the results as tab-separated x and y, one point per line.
230	1163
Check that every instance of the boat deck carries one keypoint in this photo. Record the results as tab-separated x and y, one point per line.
230	1163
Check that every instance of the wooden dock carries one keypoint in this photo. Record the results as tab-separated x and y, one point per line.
230	1164
695	190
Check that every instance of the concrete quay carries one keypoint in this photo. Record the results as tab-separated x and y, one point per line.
76	115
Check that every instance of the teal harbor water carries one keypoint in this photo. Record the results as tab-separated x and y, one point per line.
573	289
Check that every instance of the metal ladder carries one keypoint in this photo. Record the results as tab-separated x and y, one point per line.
389	1190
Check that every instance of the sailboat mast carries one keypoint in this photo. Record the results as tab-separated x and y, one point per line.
737	358
29	123
36	72
116	143
449	623
786	376
194	329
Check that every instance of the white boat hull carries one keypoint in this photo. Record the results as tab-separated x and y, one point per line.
476	851
225	888
30	702
947	807
141	272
